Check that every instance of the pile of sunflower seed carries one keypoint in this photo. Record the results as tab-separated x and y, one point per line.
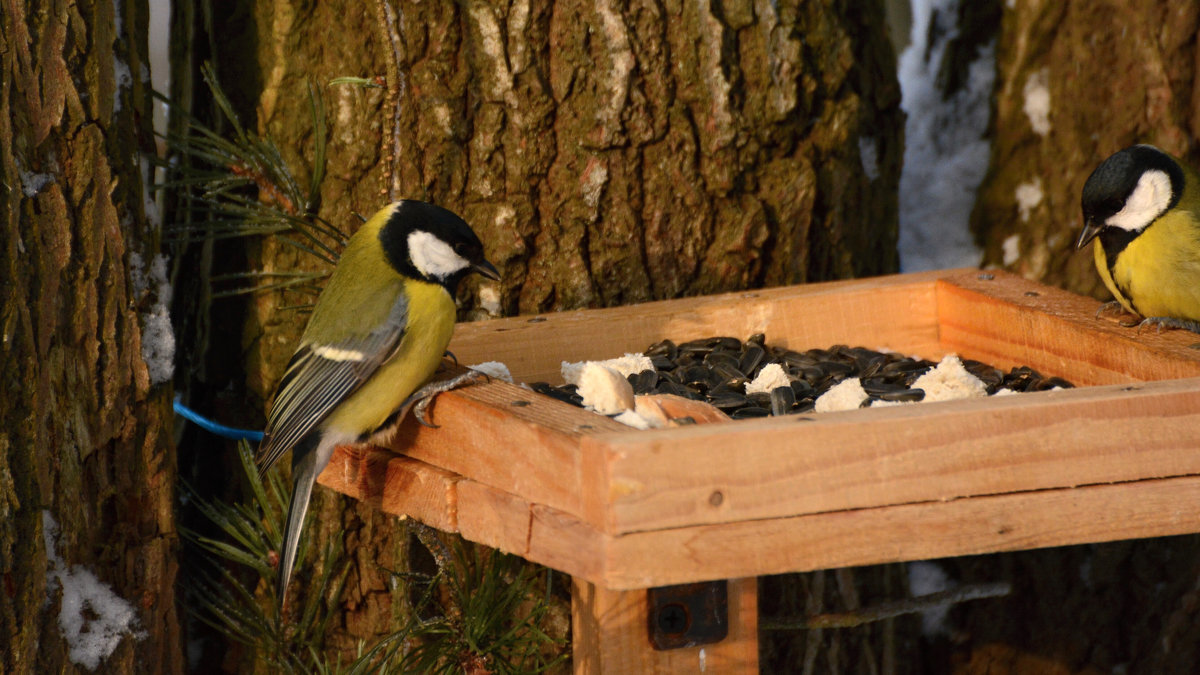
717	369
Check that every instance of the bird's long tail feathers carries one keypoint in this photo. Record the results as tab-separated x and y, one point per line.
304	474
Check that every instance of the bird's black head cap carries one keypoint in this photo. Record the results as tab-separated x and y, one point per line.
1112	182
425	241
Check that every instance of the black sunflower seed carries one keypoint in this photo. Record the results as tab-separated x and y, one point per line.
782	400
760	398
879	385
645	382
903	395
729	400
663	348
752	356
661	362
749	412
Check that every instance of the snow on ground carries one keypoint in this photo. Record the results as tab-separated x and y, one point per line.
946	153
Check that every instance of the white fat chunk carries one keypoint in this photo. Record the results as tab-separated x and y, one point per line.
950	381
845	395
634	419
625	366
604	390
770	377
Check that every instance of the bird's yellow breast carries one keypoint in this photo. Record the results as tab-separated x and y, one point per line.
431	314
1158	272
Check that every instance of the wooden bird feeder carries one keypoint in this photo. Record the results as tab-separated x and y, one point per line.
622	510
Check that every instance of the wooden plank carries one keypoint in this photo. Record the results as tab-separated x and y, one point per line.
537	533
560	541
895	312
609	634
1011	522
494	518
1008	321
1008	522
507	436
394	484
781	467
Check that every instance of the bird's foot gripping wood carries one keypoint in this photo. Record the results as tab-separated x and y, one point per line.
1161	322
420	400
1112	306
1118	313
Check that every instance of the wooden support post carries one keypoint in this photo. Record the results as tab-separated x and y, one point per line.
610	634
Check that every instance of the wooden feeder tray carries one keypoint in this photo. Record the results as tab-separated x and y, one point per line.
1116	458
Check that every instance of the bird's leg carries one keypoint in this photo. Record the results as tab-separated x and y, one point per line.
420	400
1161	322
1109	306
1114	306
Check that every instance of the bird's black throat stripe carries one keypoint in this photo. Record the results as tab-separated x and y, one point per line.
1114	240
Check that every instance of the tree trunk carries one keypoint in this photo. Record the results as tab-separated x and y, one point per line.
87	467
607	153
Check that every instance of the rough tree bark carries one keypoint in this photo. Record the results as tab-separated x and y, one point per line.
84	434
607	153
1116	73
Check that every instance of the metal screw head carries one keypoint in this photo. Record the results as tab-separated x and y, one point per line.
687	615
673	618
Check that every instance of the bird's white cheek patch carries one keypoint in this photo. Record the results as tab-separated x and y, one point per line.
1147	202
335	354
433	257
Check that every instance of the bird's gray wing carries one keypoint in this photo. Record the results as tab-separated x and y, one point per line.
320	376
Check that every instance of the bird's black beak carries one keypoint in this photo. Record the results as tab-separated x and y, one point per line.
1090	230
486	269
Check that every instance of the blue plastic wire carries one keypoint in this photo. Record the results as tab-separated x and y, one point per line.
213	427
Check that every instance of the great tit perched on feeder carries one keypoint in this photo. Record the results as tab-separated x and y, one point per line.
378	332
1142	208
